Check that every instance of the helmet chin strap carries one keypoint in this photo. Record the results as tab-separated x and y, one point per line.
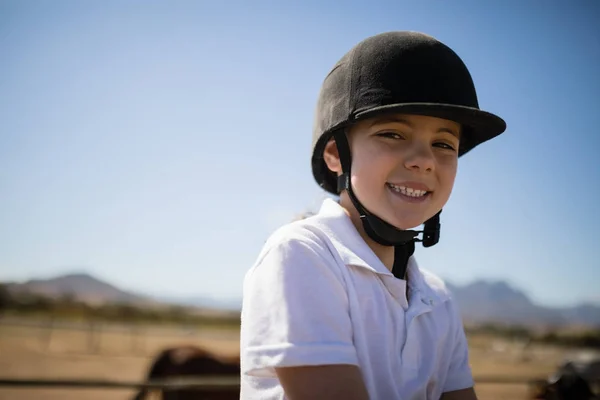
379	230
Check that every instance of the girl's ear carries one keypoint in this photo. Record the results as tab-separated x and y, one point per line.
332	157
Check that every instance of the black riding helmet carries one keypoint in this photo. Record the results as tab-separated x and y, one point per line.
406	72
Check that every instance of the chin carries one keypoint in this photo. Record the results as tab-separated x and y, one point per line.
409	220
405	224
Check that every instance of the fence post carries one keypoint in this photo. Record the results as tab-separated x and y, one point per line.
99	334
47	334
94	336
136	339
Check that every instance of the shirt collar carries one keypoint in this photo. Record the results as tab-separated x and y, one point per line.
350	245
354	250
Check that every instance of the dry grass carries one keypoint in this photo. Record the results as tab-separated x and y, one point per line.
494	356
29	352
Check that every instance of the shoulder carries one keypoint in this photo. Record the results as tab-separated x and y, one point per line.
302	230
302	244
296	235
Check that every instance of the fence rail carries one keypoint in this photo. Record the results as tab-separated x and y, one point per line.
57	324
200	383
137	337
204	383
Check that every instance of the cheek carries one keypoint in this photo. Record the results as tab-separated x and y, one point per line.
370	168
447	175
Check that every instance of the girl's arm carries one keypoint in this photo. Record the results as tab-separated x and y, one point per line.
296	323
325	382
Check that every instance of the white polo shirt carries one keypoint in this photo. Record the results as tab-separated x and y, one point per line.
318	295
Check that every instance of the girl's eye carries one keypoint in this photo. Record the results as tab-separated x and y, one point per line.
390	135
445	146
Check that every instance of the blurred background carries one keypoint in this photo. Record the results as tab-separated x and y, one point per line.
148	149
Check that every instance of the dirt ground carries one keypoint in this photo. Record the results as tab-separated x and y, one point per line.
121	353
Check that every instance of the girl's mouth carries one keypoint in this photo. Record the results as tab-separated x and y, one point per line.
408	193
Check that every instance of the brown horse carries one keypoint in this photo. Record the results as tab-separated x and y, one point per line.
191	361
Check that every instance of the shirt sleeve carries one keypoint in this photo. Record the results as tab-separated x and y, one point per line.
295	310
459	374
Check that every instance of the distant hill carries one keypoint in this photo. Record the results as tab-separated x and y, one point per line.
82	287
89	289
496	301
480	302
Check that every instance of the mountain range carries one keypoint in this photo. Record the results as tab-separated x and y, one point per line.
498	302
480	302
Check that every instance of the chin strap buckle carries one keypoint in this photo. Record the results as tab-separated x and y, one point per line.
431	231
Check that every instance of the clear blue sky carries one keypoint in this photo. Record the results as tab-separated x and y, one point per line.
157	144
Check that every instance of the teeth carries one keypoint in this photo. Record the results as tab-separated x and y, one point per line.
408	191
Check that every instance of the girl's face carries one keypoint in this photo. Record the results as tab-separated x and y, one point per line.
403	166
